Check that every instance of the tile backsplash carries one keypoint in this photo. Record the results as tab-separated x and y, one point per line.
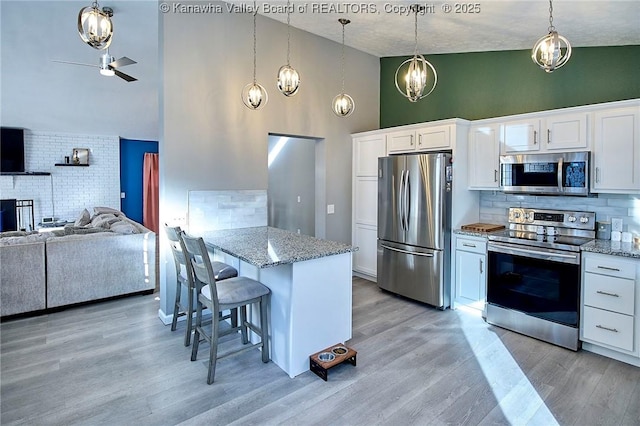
494	206
213	210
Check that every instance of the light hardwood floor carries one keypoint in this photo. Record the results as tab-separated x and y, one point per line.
115	363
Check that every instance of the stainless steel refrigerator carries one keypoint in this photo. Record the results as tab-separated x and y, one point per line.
414	226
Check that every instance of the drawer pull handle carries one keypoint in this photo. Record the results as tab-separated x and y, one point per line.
607	293
606	328
608	268
469	245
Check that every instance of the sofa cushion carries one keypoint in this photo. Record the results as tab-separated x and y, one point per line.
26	239
74	230
102	220
83	219
122	227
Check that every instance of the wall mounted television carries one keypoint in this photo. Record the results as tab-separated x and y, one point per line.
11	150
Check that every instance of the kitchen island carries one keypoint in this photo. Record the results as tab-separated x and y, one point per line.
310	282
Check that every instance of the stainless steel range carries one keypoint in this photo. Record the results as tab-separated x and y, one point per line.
533	282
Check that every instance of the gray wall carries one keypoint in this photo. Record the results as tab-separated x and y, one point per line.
210	141
41	95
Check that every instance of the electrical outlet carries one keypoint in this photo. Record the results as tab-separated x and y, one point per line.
616	224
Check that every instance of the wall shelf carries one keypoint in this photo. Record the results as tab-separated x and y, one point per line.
71	165
25	174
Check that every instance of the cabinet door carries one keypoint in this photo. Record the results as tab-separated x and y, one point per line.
366	257
616	154
366	151
518	136
434	138
484	158
365	207
401	141
470	278
566	132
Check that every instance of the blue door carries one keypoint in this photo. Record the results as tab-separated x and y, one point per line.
131	168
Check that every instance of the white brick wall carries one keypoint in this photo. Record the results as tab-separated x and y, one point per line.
494	206
67	190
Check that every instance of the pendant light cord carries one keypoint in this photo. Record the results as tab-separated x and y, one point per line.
551	27
288	31
415	31
255	13
343	24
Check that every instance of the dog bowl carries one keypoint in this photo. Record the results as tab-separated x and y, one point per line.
339	350
326	356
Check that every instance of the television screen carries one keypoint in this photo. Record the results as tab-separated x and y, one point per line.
11	150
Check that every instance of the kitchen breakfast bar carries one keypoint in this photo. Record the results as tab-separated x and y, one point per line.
310	282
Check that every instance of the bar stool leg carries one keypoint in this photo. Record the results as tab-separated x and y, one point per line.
264	335
176	306
213	351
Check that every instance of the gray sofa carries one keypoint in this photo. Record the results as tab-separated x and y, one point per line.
79	264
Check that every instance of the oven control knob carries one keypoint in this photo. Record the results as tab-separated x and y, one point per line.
584	219
516	215
572	218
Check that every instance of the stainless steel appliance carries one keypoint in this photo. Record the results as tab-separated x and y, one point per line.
552	174
533	274
414	226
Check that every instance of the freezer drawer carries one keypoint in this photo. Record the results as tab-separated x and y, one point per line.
413	272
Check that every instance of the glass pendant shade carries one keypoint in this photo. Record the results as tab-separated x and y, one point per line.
416	78
288	80
343	105
95	27
254	96
551	52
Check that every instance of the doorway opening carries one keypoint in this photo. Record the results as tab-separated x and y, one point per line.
296	184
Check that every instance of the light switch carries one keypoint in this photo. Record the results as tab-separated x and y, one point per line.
123	195
331	209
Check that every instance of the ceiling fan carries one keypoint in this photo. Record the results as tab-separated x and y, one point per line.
108	65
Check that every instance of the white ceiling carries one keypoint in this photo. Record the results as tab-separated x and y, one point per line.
499	24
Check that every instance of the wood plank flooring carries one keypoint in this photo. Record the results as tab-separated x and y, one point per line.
115	363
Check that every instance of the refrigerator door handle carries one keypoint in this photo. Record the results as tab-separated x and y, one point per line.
401	201
406	251
407	205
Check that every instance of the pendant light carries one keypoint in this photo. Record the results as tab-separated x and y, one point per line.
254	95
551	51
343	105
414	72
95	26
288	77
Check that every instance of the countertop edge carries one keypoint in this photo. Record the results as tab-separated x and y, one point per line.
612	248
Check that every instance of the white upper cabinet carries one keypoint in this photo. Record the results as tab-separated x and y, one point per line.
428	138
484	164
616	151
546	132
366	151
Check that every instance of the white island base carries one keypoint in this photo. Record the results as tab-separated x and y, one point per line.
310	306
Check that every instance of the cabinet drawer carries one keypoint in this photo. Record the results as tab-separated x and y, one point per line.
607	327
610	293
609	265
474	246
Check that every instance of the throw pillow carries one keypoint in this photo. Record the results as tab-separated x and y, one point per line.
101	210
83	219
102	220
123	228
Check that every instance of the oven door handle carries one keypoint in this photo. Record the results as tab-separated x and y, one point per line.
508	249
560	166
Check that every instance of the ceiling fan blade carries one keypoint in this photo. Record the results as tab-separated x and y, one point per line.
75	63
125	76
122	62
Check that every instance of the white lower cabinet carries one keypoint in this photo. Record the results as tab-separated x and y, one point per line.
470	271
610	308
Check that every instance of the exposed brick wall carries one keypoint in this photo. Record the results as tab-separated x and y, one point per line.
67	190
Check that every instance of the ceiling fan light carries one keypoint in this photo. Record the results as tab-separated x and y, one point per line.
108	72
288	80
95	27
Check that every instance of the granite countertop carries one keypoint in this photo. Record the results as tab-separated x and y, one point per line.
266	246
475	233
615	248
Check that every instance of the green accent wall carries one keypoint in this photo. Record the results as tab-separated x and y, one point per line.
493	84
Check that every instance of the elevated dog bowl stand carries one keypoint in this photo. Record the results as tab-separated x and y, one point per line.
321	368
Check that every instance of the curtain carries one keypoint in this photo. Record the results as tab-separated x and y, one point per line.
150	192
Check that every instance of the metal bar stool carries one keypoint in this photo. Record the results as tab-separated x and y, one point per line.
185	279
232	293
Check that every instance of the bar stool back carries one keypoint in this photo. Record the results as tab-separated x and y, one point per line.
184	278
218	296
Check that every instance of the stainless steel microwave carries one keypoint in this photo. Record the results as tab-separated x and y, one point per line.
564	173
